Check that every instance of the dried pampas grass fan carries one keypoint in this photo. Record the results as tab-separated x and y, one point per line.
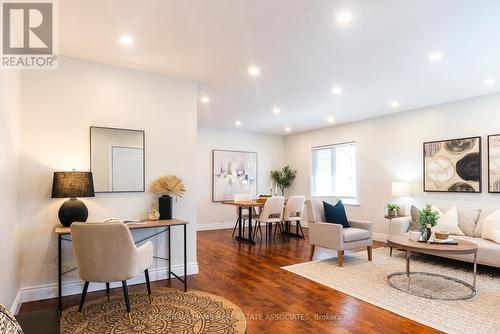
169	185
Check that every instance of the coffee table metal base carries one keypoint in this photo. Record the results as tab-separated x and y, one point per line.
408	289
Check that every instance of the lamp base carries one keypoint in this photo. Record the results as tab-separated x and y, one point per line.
73	210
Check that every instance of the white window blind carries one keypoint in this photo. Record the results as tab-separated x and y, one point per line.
334	171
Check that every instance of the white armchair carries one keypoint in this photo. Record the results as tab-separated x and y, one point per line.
335	236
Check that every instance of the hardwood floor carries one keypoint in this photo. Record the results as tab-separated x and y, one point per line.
251	277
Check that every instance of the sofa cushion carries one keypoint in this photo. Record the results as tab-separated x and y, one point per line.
448	221
414	225
335	214
491	227
355	234
467	220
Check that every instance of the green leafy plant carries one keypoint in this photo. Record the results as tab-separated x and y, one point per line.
392	207
283	177
427	216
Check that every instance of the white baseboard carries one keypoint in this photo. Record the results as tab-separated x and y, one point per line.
215	226
16	304
380	237
47	291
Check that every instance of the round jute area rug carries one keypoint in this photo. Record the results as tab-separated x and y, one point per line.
171	311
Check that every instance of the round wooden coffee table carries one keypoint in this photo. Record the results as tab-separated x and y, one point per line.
463	247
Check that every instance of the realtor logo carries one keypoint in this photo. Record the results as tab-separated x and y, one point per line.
28	35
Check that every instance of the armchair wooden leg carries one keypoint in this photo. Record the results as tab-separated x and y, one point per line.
390	252
148	284
312	252
107	290
82	299
340	259
369	249
127	300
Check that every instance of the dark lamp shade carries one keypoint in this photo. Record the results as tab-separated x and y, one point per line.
72	185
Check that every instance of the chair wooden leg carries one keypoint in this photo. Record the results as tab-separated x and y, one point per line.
127	300
340	259
107	290
281	231
148	284
311	255
82	299
369	249
301	230
390	251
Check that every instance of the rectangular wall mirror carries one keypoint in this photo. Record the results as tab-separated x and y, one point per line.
117	159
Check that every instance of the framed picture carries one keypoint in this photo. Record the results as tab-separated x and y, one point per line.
453	165
233	172
494	164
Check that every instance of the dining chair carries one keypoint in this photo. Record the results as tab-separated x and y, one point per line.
272	213
105	252
294	212
243	198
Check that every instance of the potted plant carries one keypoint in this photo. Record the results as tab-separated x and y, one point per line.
283	177
392	210
166	186
427	218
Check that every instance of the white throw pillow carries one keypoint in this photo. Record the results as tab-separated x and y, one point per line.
448	222
491	227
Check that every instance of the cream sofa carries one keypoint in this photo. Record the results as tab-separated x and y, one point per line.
471	223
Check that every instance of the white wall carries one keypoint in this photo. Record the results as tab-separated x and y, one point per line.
10	98
390	149
58	107
270	156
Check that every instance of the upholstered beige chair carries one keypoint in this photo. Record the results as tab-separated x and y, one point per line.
335	236
294	212
272	213
105	252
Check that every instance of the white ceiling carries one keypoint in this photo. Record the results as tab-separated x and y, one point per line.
381	56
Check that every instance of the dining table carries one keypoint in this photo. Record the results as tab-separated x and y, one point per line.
245	205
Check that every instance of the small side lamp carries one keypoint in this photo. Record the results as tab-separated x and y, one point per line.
401	189
72	185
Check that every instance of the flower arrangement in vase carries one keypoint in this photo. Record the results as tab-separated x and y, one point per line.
166	186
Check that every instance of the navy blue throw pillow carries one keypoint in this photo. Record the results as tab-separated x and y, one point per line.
335	214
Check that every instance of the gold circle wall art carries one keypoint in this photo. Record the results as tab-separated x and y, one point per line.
453	165
494	164
171	311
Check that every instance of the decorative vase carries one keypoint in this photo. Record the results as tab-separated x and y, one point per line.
401	211
429	232
392	213
165	207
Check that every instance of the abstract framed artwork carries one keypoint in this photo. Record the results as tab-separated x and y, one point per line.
233	172
494	163
453	165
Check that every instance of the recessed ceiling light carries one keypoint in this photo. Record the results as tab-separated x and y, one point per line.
237	123
435	57
126	40
276	110
330	119
489	82
344	17
205	99
287	129
394	104
254	71
336	90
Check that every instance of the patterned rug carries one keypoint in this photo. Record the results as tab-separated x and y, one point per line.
172	311
368	281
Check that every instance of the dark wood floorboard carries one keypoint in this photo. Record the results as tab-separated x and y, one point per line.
251	277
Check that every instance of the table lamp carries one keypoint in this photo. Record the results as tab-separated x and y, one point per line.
401	189
72	185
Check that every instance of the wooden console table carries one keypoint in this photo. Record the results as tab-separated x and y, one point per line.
63	233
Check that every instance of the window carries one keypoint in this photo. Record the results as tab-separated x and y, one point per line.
334	172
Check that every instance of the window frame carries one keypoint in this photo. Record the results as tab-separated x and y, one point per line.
352	201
